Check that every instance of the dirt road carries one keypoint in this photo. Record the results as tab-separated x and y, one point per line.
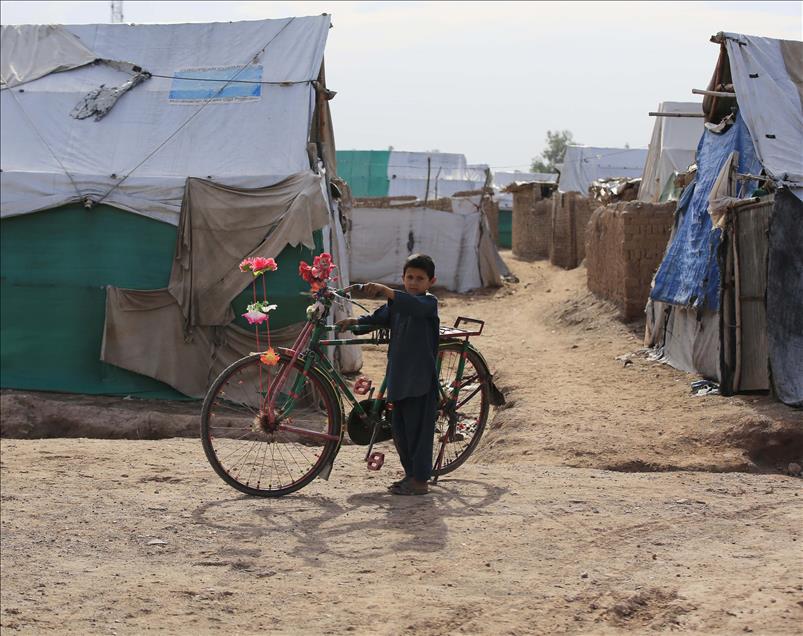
604	499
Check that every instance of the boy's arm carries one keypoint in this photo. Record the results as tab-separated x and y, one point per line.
424	306
380	317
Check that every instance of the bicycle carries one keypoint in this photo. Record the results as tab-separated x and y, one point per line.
270	430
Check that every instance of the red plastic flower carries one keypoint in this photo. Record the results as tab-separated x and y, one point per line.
319	273
258	265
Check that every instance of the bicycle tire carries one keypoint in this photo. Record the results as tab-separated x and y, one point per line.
240	410
477	378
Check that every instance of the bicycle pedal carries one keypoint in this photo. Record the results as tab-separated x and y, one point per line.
376	461
362	385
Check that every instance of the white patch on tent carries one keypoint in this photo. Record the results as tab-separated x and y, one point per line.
196	85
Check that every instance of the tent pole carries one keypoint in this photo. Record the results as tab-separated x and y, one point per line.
429	169
737	304
652	114
700	91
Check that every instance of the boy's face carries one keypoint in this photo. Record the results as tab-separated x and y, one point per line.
417	281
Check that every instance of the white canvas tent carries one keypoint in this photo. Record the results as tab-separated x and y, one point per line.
165	129
458	241
431	175
584	164
672	146
112	117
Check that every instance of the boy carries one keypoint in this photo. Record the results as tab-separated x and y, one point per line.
412	316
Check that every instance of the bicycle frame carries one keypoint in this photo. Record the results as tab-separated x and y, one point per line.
307	348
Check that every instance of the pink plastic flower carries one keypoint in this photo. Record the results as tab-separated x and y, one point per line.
255	317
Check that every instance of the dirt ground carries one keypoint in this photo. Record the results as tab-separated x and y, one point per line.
605	498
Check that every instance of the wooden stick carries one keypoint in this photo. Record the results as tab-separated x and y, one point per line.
700	91
676	114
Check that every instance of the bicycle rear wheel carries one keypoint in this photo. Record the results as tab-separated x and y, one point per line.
460	424
270	456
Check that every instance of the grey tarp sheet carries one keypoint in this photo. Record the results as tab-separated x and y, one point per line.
181	335
221	225
785	298
144	333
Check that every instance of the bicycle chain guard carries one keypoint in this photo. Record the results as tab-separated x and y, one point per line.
360	427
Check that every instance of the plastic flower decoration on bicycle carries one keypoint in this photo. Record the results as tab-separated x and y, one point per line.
258	265
257	312
318	275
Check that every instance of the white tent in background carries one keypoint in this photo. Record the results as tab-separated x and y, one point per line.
672	147
583	164
431	175
458	240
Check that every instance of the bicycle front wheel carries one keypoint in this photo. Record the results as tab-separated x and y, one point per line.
270	438
464	411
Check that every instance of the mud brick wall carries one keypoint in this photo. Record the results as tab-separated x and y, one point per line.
625	243
569	216
530	230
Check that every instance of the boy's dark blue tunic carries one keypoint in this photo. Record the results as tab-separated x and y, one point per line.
411	375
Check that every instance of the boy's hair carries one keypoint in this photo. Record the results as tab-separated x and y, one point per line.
420	261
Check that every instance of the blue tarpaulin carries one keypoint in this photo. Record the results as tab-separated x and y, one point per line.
689	274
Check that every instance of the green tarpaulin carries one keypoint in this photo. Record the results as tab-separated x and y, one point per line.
506	228
366	171
56	266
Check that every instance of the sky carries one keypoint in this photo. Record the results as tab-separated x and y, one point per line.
487	79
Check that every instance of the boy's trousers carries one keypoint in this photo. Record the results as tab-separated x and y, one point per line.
413	426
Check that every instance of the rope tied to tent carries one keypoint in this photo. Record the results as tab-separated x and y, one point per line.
47	145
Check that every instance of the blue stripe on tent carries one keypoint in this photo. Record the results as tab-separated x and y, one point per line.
689	274
204	84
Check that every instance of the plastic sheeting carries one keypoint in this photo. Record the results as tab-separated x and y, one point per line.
672	146
382	238
689	274
768	80
366	171
165	333
29	52
424	175
138	157
785	297
584	164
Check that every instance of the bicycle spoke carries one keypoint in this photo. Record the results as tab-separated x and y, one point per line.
276	456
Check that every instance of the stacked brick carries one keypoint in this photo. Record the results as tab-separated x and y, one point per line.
625	243
530	231
569	213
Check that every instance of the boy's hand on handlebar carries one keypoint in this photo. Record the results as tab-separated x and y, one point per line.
377	289
346	323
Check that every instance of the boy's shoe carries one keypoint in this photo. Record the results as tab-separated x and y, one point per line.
399	482
410	487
